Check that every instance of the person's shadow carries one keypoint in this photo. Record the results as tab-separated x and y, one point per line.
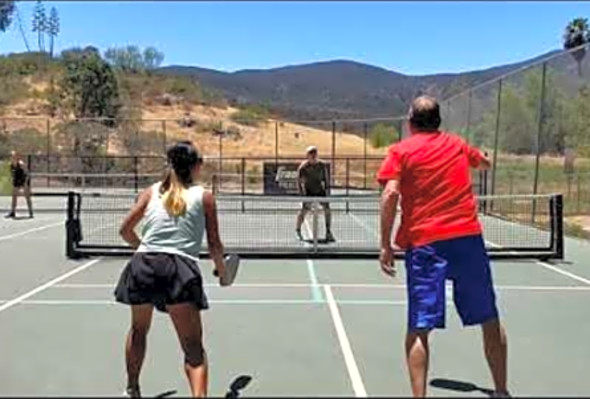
459	386
238	385
166	394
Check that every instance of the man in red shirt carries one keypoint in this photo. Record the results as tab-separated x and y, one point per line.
442	239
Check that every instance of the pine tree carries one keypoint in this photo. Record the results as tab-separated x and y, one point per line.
40	24
52	28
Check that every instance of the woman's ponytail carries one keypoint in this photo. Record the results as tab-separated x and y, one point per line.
173	194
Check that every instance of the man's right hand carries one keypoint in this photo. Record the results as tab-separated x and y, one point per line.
387	261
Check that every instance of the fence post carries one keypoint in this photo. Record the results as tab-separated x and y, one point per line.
347	183
496	134
243	183
469	98
276	141
578	188
333	152
220	151
136	174
365	135
48	142
165	135
540	121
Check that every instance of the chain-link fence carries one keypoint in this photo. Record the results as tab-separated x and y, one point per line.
535	124
215	136
235	151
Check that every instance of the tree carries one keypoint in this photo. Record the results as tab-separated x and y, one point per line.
152	58
576	35
7	9
40	24
577	121
88	86
132	59
128	59
52	28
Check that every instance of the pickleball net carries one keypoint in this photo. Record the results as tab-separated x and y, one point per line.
515	226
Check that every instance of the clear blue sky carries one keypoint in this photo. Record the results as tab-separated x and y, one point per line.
409	37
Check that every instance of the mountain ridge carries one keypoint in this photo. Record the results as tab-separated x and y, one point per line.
338	88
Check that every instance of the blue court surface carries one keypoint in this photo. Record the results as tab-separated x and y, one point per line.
288	327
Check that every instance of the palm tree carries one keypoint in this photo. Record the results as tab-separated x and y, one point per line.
576	36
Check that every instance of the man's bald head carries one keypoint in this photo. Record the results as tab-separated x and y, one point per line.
425	114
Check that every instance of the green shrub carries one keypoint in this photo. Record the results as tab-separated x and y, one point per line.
382	135
247	117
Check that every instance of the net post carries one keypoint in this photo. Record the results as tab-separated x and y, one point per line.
71	235
315	224
557	234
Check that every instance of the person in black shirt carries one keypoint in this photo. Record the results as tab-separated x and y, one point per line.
313	181
20	181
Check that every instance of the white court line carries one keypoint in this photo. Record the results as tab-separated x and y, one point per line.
48	284
565	273
348	285
313	278
551	267
22	233
365	227
351	366
82	302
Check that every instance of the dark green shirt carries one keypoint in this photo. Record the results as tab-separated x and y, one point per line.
314	177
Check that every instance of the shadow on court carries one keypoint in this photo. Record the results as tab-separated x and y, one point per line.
167	394
238	385
459	386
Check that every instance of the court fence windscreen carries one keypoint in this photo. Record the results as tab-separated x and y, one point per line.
518	226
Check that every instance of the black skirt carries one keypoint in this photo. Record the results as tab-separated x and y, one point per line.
161	279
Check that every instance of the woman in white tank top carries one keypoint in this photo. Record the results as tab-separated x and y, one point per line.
164	272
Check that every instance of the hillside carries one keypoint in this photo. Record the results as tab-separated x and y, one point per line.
336	89
26	120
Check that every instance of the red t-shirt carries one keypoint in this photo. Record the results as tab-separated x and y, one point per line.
437	197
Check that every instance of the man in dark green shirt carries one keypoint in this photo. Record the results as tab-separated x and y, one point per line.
313	180
20	181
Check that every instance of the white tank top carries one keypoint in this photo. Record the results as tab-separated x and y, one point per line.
182	235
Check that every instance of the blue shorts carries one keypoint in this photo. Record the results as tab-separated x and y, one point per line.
465	262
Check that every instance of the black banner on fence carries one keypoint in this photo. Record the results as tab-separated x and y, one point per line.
280	178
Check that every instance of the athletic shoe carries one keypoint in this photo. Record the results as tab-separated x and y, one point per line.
132	393
501	395
330	237
299	235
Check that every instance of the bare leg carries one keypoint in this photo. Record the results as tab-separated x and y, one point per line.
496	349
27	192
328	220
141	319
300	219
14	200
417	356
187	322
